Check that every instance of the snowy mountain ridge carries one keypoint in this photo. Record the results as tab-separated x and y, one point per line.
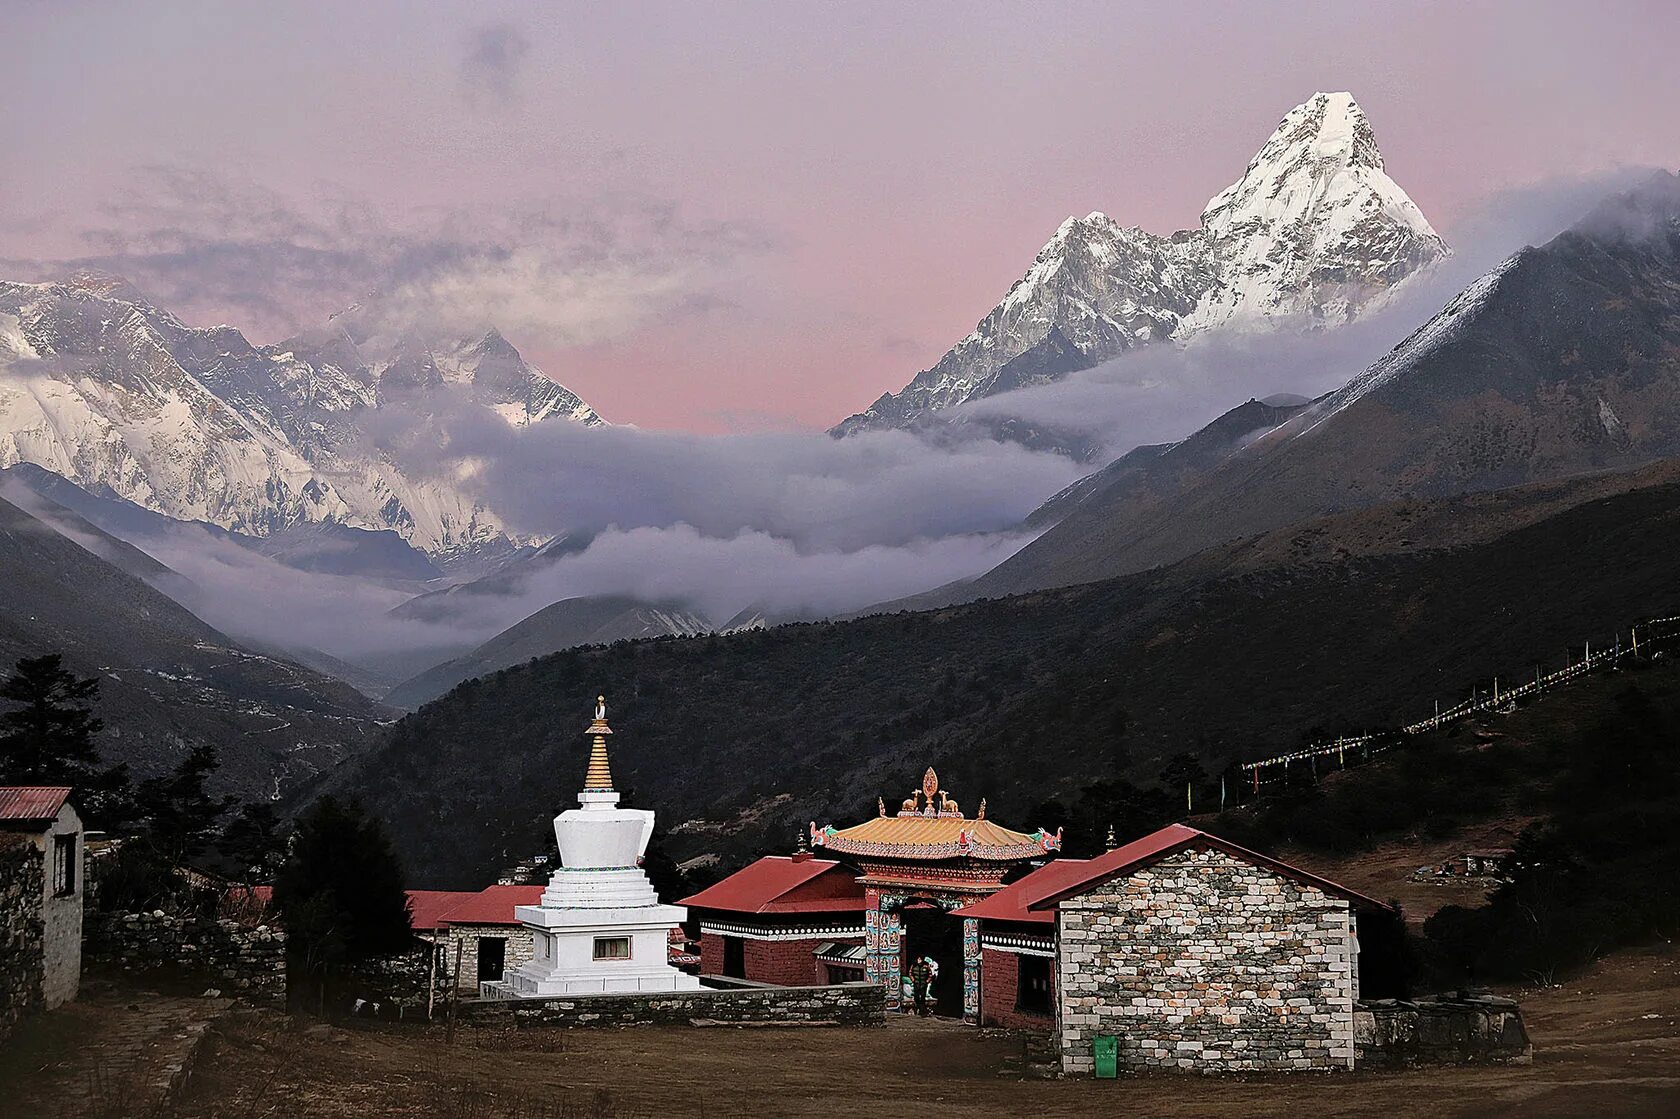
1314	232
100	387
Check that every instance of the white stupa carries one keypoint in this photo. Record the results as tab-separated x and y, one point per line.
600	927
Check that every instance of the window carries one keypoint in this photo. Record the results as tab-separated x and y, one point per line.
64	865
838	973
734	957
612	948
492	957
1032	984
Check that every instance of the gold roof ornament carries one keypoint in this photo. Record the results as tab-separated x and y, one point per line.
1110	843
930	826
599	776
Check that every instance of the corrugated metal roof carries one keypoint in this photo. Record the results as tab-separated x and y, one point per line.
1010	903
774	884
492	905
426	908
1157	845
32	803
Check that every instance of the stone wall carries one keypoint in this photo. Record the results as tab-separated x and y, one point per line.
1445	1030
241	962
22	962
520	948
1208	963
850	1004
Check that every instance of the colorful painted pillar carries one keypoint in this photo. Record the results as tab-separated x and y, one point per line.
971	970
892	959
872	934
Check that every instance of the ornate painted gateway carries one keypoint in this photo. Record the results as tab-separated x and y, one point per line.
916	867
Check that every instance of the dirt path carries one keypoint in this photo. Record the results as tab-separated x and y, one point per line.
1607	1045
107	1054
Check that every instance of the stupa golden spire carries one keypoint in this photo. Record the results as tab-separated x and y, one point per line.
599	777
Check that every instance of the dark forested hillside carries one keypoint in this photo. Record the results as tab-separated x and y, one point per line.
1016	699
168	681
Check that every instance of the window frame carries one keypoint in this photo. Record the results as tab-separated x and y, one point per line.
613	957
64	864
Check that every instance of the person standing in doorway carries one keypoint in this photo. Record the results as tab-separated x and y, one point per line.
921	977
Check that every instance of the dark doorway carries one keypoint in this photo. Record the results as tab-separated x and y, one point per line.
1032	984
492	957
931	931
734	957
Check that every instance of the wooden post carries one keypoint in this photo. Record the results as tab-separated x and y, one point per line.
454	995
431	981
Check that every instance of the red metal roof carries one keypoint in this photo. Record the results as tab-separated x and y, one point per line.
1010	903
34	804
492	905
1175	837
780	884
427	907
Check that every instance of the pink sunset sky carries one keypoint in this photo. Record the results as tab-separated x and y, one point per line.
739	217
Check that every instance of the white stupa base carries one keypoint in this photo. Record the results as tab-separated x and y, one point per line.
565	941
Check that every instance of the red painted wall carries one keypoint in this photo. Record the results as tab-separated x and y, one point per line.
999	975
790	963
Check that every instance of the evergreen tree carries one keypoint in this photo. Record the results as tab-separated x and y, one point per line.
340	896
47	736
179	813
254	843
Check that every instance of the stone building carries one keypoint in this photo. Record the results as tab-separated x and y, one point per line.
41	891
1198	954
480	924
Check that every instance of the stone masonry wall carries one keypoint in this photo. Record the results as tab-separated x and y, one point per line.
241	962
1207	963
521	946
850	1004
22	961
1444	1030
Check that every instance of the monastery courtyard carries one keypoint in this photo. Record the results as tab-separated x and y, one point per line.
1606	1044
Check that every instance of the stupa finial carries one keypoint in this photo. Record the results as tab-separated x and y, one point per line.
599	776
1110	843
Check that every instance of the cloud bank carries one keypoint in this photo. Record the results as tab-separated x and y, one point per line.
556	274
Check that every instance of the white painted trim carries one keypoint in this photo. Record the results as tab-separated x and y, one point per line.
748	932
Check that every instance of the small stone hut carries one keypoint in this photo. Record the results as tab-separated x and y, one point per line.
1201	955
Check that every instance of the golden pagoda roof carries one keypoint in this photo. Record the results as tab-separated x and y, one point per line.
931	826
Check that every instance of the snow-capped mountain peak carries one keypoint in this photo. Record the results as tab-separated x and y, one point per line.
1315	226
1314	230
100	387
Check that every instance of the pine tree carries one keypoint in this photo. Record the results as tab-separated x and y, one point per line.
179	813
254	842
340	896
47	736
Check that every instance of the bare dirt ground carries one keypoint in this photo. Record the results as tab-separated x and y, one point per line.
110	1053
1607	1044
